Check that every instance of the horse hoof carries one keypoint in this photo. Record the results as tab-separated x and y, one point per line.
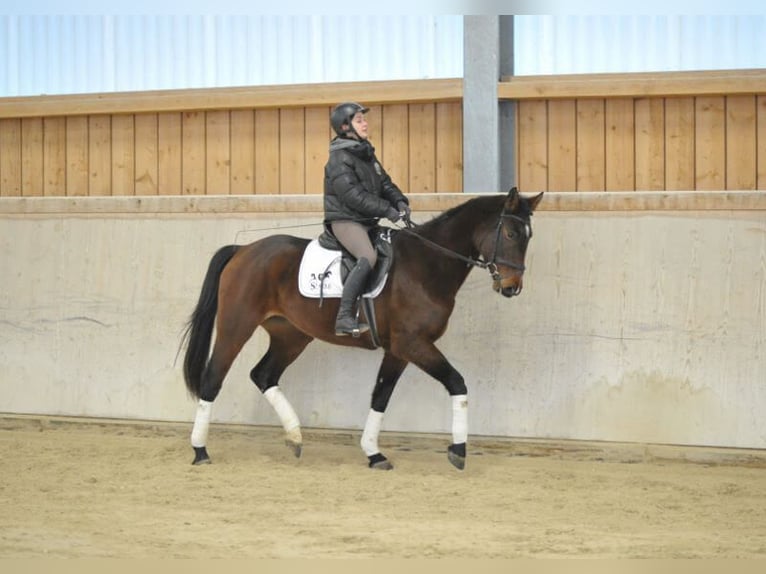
379	462
200	456
296	447
382	465
456	455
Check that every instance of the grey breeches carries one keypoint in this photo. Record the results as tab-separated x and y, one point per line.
353	236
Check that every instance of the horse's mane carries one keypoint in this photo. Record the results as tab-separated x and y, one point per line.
488	205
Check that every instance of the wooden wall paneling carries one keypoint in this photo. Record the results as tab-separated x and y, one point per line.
591	158
193	162
169	154
32	156
532	146
267	151
147	154
242	152
317	148
449	147
218	152
650	143
710	143
10	157
375	129
620	145
741	160
761	137
292	151
562	146
422	158
123	155
396	143
100	155
54	156
78	157
679	144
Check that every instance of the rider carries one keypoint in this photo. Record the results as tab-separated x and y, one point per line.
357	193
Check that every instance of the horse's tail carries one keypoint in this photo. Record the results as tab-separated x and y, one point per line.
199	331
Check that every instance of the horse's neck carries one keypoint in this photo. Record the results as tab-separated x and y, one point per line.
459	237
463	231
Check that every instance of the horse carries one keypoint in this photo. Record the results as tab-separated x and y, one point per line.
247	286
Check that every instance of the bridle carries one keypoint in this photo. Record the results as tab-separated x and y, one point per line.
490	265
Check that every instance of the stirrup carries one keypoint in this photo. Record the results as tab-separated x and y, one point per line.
355	331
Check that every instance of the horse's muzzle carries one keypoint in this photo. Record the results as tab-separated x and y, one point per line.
509	290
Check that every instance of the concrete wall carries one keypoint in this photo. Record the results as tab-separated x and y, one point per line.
643	324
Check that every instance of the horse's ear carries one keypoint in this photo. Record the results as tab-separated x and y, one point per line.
512	200
533	201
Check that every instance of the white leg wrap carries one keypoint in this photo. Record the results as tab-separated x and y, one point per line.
201	423
459	419
369	440
285	412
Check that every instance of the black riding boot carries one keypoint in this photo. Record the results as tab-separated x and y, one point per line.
346	323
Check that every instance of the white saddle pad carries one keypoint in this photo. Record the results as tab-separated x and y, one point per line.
320	265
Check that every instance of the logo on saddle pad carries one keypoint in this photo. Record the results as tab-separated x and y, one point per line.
320	273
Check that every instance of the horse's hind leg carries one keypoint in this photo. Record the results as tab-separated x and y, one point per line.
286	344
228	343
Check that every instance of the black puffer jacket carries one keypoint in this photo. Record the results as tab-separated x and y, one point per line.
356	187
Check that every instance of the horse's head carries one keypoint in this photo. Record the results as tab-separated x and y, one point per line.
506	247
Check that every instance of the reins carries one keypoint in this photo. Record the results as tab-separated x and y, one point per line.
481	263
490	265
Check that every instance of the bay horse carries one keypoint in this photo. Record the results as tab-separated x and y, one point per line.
247	286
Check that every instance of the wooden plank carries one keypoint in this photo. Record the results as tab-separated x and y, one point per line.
375	129
395	158
54	156
248	97
292	160
266	151
591	158
620	145
753	202
10	157
562	146
741	160
679	143
193	162
100	155
169	154
147	154
123	155
650	144
633	85
317	145
532	146
449	147
243	152
710	143
77	179
32	156
761	113
422	136
217	153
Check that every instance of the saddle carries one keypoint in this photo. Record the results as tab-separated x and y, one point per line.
326	264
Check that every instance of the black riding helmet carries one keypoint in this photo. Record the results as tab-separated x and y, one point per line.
343	114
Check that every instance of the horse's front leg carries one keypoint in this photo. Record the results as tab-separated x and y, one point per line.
429	358
390	370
